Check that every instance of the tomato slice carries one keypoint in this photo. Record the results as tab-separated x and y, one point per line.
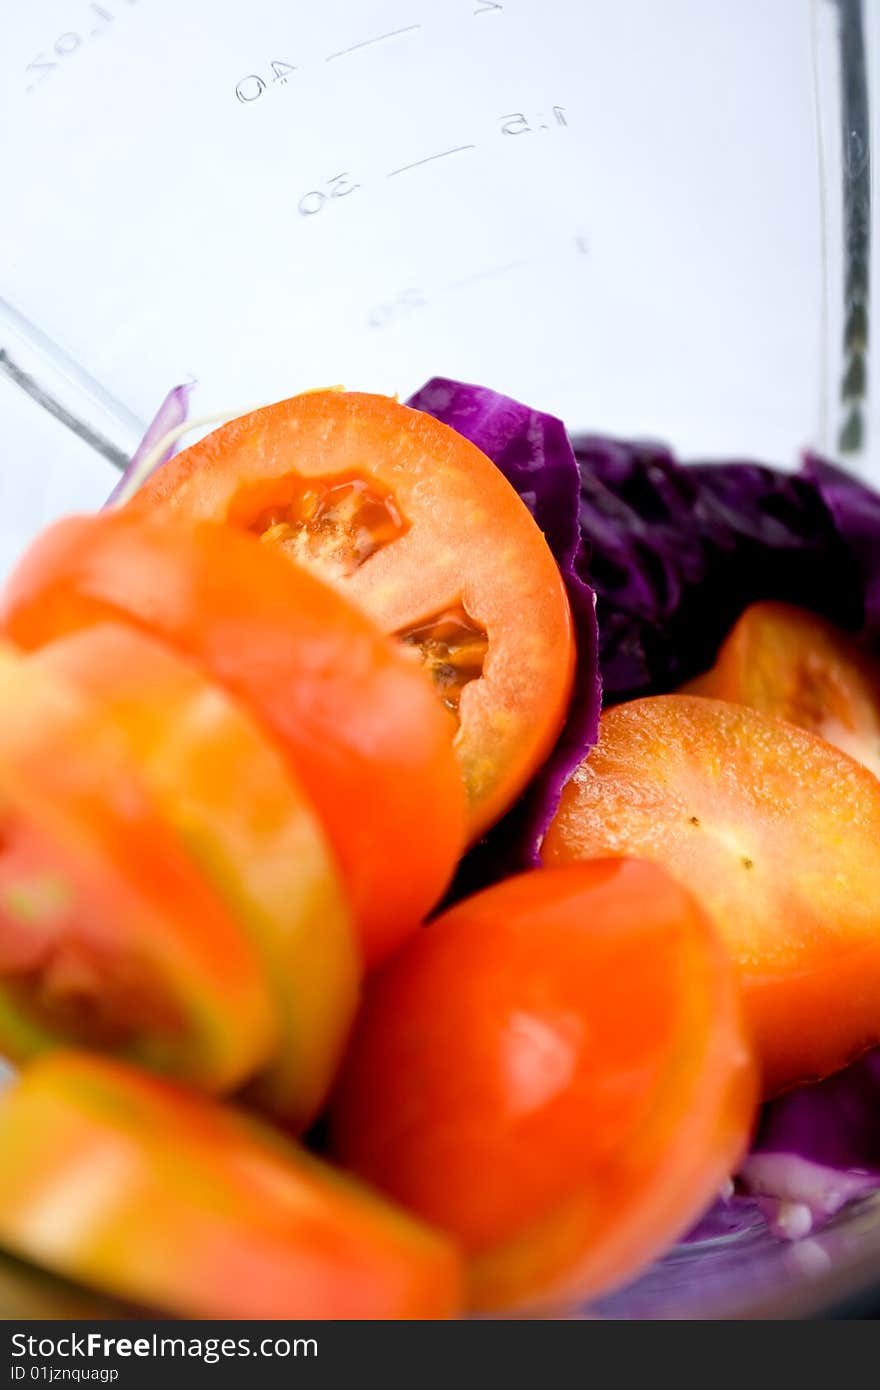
28	1294
109	937
795	665
777	833
418	526
369	744
226	792
143	1191
555	1073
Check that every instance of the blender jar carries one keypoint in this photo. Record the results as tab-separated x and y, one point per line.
651	220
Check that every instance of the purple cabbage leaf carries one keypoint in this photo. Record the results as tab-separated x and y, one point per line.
676	552
855	511
816	1149
172	412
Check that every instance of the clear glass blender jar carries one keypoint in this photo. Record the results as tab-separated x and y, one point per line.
649	219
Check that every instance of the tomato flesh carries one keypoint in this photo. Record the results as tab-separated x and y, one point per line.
332	526
108	935
792	664
29	1294
555	1073
776	832
146	1192
364	736
411	521
224	789
452	650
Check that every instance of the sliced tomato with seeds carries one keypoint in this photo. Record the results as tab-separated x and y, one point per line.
144	1191
224	789
418	527
452	650
776	832
555	1072
109	937
365	737
795	665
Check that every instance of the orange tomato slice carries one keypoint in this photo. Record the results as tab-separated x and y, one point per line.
109	936
365	737
416	525
226	792
28	1294
555	1073
146	1192
776	832
795	665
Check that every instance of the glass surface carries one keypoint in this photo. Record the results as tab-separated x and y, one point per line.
652	219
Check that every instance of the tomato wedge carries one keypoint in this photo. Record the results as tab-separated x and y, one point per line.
365	738
777	834
226	792
109	937
418	526
795	665
144	1191
555	1073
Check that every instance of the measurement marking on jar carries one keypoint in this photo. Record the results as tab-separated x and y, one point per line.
249	88
486	274
429	159
368	43
67	44
410	300
516	123
405	303
339	186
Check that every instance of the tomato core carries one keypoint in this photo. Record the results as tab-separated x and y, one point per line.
453	649
330	525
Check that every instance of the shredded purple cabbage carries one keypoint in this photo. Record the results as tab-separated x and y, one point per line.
533	452
855	510
171	413
817	1148
676	552
732	1214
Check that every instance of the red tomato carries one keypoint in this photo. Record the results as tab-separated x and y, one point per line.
143	1191
555	1073
109	936
792	664
357	721
418	526
225	791
777	833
